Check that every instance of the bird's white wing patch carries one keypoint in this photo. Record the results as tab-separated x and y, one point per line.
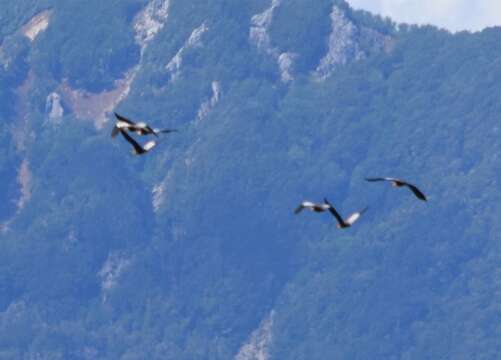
307	204
149	145
352	218
122	124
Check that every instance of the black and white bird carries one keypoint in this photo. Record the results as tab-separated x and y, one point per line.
399	183
138	149
327	206
140	128
311	206
344	223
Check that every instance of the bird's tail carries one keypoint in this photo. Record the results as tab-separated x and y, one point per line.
298	209
364	210
115	131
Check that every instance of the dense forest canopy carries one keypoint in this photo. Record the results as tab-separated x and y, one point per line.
193	251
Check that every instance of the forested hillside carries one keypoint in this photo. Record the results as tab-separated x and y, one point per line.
193	251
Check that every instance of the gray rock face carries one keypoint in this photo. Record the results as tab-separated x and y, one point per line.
343	46
258	33
112	269
208	105
150	21
53	107
285	64
260	37
257	348
195	39
344	43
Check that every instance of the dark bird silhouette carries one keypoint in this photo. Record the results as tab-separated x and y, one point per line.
140	128
138	149
399	183
311	206
349	221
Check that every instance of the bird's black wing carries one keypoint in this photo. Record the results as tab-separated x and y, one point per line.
380	179
166	131
334	212
363	210
124	119
115	131
299	209
416	192
149	130
133	142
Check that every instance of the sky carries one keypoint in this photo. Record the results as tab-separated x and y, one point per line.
454	15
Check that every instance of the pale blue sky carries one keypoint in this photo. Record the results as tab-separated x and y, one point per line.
453	15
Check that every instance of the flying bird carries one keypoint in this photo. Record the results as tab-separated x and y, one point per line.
399	183
138	149
140	128
311	206
350	220
123	123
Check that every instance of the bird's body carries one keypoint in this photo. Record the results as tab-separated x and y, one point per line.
144	131
401	183
138	149
326	206
349	221
311	206
139	128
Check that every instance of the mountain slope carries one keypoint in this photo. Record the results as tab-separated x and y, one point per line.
192	251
